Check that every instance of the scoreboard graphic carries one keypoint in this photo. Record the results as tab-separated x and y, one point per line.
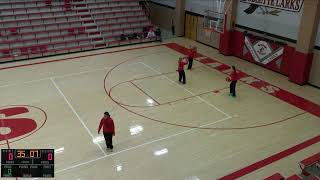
27	163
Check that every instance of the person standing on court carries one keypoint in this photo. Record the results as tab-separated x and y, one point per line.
191	54
182	75
108	130
234	77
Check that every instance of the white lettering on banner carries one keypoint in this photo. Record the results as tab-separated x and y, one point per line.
270	89
287	5
250	48
250	80
273	56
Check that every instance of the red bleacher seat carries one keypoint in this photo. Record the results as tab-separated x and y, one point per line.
94	33
71	31
43	48
24	51
276	176
48	2
100	45
83	10
34	50
81	30
13	31
46	27
6	52
97	39
92	27
67	5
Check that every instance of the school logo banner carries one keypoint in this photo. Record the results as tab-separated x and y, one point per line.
261	51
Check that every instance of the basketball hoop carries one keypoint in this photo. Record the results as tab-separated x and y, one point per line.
215	17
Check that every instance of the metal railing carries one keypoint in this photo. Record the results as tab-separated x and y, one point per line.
145	5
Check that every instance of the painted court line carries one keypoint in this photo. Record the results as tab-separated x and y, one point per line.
144	92
292	100
141	145
6	135
60	76
257	83
200	98
260	164
167	102
272	90
77	57
55	77
25	82
75	112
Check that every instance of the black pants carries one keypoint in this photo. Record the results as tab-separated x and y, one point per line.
182	75
159	38
173	30
233	88
108	139
190	62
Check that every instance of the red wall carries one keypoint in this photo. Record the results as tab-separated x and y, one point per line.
237	49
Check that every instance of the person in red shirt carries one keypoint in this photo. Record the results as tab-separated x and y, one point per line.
108	130
191	54
233	78
182	75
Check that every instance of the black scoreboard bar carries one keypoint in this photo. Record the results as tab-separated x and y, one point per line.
27	163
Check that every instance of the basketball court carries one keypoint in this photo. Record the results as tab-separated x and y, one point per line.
164	129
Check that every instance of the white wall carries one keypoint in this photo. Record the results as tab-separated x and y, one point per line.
199	6
171	3
166	18
286	24
317	43
196	6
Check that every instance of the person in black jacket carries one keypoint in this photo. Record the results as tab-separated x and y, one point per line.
158	34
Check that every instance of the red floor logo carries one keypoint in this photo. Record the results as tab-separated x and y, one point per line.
18	122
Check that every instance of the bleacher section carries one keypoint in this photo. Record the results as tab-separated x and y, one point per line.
311	167
310	170
36	28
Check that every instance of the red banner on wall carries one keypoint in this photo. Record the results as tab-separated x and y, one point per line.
266	53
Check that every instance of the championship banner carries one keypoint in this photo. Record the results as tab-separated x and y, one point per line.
286	5
262	52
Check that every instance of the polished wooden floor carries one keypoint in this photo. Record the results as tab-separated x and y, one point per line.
164	130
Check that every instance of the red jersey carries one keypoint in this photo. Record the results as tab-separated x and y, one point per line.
192	53
107	124
234	76
181	65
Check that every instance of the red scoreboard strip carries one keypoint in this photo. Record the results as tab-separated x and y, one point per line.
27	163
